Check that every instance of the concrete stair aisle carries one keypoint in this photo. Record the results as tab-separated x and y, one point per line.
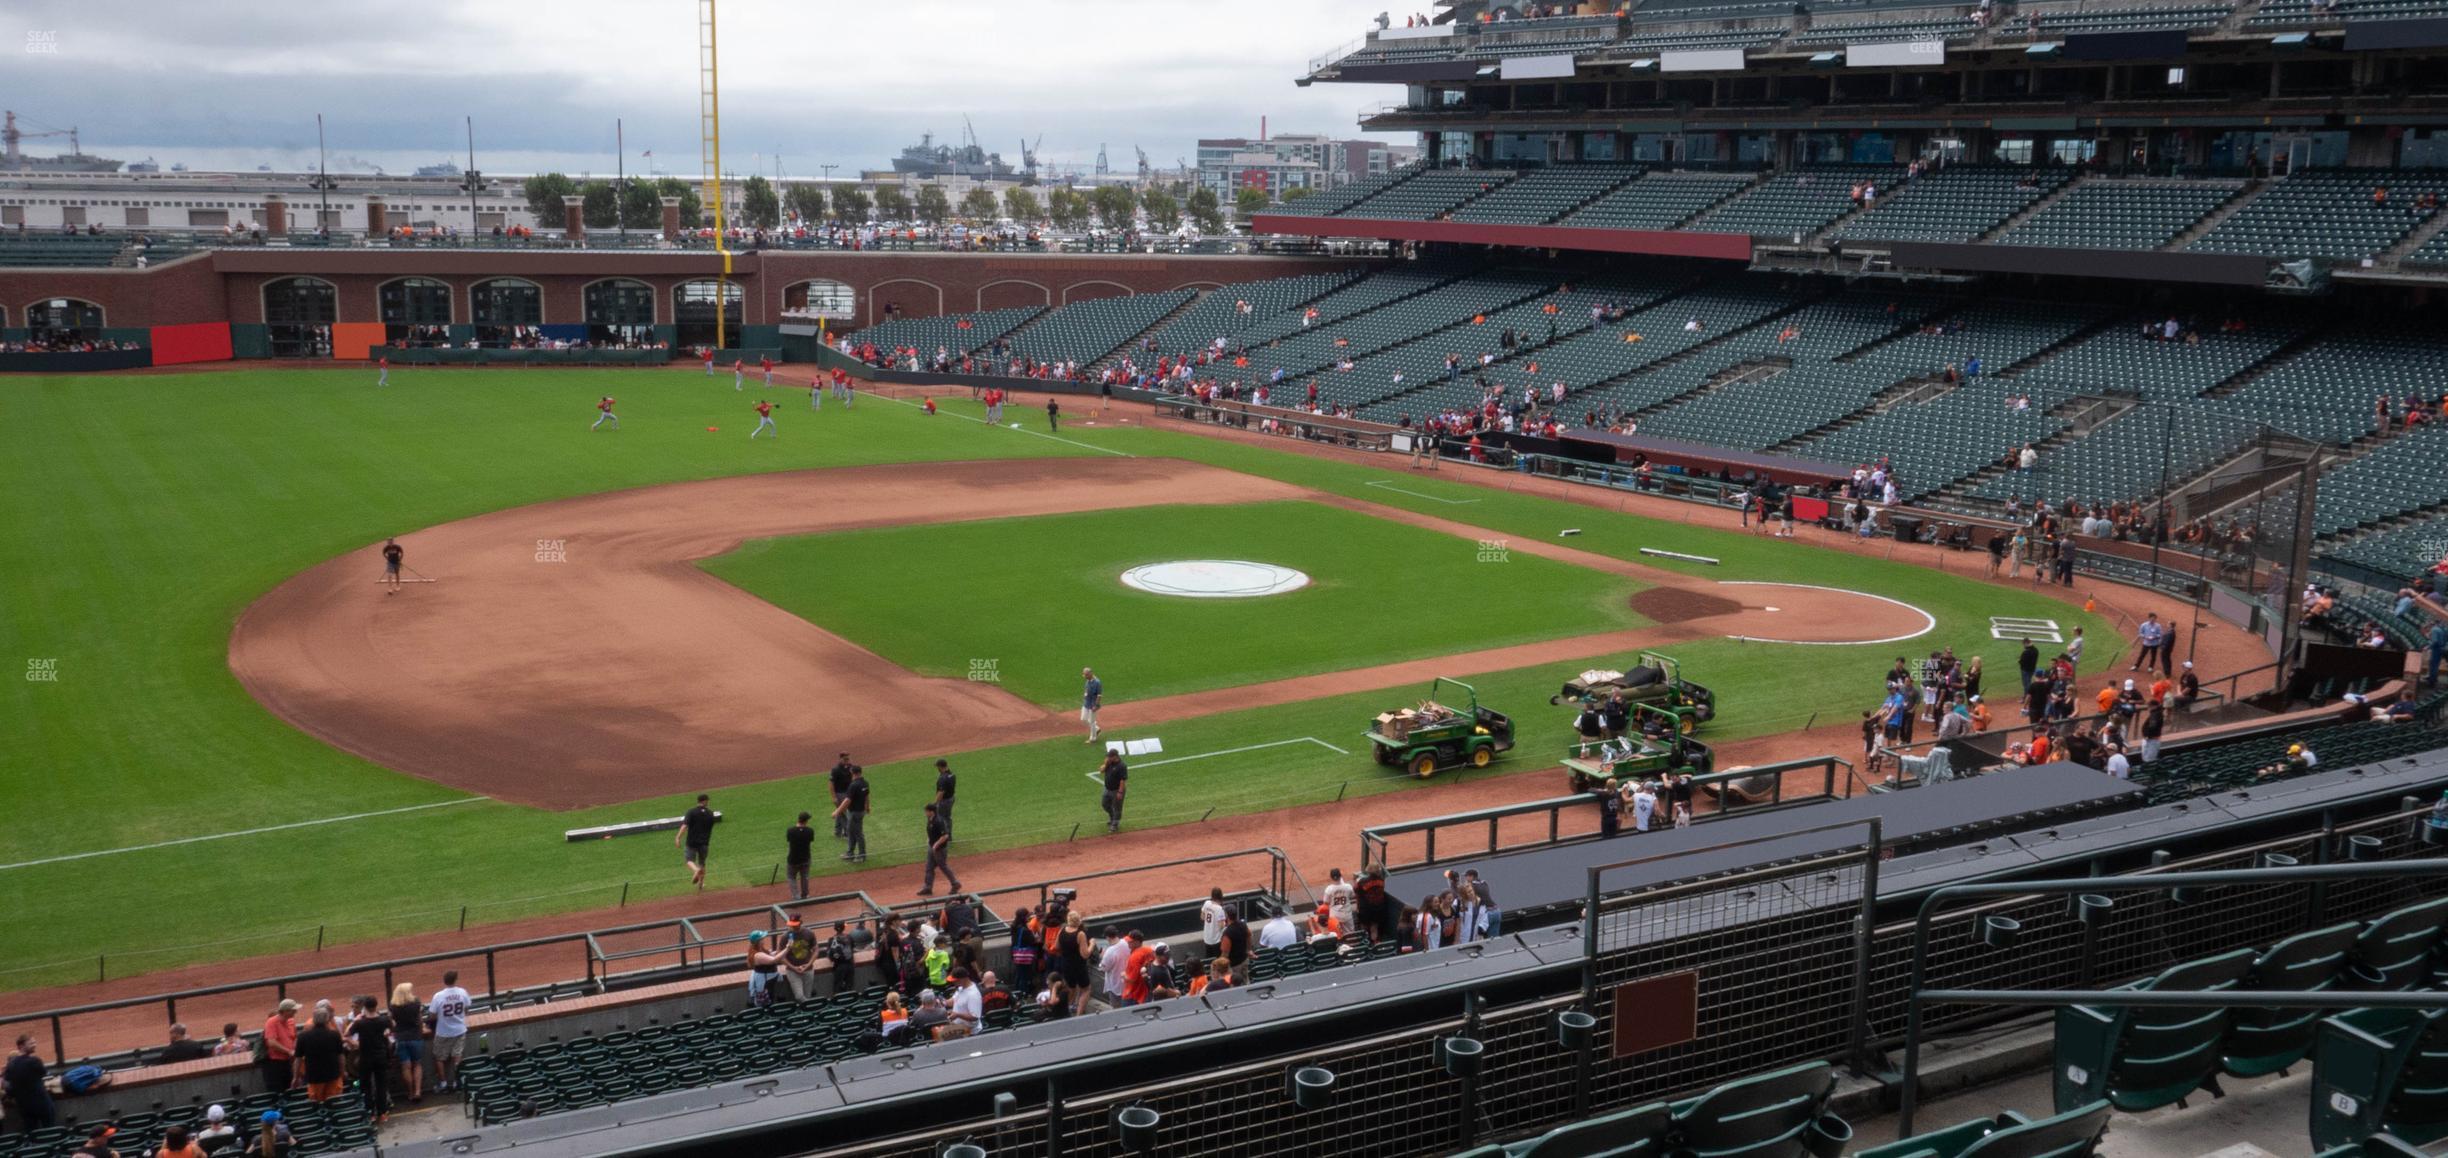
2279	357
1748	370
1902	392
2213	219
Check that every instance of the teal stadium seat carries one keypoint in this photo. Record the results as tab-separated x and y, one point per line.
2142	1059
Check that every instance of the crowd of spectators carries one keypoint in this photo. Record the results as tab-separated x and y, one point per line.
66	342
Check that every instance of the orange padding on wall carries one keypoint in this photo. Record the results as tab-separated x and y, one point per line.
355	341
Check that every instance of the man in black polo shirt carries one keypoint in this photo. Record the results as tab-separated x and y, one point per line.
799	842
695	839
841	788
852	811
938	853
945	784
1237	946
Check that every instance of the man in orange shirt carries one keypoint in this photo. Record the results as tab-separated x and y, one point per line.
1134	973
2107	699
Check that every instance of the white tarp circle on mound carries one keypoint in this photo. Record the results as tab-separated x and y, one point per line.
1215	578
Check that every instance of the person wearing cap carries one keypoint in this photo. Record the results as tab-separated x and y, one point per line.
840	780
2188	686
938	852
279	1063
968	1004
798	853
929	1017
274	1140
97	1141
762	965
945	786
218	1130
1979	711
799	956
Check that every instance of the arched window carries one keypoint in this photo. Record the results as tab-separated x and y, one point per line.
62	320
696	305
507	311
416	311
299	312
821	298
620	311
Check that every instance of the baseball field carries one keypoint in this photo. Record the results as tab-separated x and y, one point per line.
232	740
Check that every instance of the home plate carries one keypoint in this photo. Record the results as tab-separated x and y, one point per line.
1773	609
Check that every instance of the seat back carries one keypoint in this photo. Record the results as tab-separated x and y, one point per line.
2359	1058
2264	1041
1638	1130
2395	951
1763	1116
2142	1059
2073	1134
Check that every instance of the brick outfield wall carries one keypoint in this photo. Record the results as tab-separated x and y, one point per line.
227	285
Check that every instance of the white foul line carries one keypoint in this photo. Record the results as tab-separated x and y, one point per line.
243	832
1230	751
1015	426
1415	494
1929	623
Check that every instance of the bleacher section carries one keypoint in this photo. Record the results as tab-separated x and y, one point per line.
2404	551
2325	393
2226	765
2326	213
1543	195
59	249
2401	475
1935	443
1432	304
2300	12
1428	196
1954	204
320	1128
2123	457
956	333
1881	31
1335	201
2136	214
2135	361
1802	201
1219	315
2138	19
1088	331
1656	201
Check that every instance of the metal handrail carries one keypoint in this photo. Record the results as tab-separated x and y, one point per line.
1916	995
1375	842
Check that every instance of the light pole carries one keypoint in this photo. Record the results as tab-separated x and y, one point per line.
475	180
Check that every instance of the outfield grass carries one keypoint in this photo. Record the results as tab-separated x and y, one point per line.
921	596
144	513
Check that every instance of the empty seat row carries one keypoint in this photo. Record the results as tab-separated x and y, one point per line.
1086	332
955	334
2327	213
1656	201
1782	1114
1233	310
1429	195
1798	201
2136	214
1546	194
1958	203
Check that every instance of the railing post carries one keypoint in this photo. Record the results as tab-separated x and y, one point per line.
1868	922
491	986
59	1041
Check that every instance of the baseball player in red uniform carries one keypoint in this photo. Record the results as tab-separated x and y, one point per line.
382	366
765	363
739	373
709	362
603	413
765	422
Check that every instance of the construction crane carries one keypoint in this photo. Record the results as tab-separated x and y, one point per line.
10	138
1028	159
1144	168
1101	167
709	113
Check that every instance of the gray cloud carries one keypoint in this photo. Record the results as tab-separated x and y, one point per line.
817	83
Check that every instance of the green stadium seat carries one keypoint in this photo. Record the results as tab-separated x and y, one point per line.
2075	1133
2144	1058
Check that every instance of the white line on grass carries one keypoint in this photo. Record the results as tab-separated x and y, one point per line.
242	832
1231	751
1415	494
1015	426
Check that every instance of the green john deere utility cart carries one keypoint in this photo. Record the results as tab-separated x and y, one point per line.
1659	743
1446	730
1652	679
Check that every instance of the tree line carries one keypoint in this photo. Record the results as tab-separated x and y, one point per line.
762	206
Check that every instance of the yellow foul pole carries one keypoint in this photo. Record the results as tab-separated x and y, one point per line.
709	110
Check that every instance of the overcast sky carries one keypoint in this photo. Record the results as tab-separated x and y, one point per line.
234	83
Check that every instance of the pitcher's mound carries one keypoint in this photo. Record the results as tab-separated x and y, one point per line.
1676	604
